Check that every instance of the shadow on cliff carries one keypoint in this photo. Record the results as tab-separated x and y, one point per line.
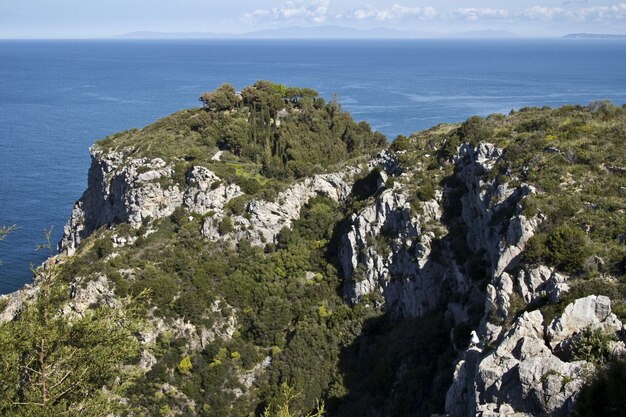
401	366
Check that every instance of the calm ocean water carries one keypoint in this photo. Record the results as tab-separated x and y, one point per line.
58	97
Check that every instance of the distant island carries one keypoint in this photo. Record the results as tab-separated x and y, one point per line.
593	36
320	32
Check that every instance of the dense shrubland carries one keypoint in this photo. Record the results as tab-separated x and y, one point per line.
285	297
280	132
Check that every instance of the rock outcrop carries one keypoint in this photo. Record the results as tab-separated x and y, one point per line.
126	190
120	190
388	249
263	220
590	312
464	241
524	373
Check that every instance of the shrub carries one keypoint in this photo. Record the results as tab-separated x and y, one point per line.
604	394
592	345
567	248
426	192
401	143
226	225
473	130
185	366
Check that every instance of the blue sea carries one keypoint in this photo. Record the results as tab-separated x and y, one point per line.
58	97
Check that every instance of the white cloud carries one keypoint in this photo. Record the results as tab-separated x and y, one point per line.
395	12
544	13
615	12
475	13
315	11
602	13
318	12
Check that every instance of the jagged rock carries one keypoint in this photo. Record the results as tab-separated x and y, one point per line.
121	241
120	190
460	398
15	302
263	220
593	311
504	240
95	292
207	192
523	375
398	267
540	282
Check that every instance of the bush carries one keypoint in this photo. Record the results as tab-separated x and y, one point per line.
401	143
185	366
426	192
567	248
592	345
604	394
103	247
473	130
226	225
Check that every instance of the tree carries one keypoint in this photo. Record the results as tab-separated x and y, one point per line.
222	98
52	365
280	406
4	231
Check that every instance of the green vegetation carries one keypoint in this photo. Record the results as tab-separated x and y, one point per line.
592	345
278	131
51	366
604	394
269	332
574	158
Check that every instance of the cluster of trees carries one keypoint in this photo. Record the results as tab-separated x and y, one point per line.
222	98
312	135
262	94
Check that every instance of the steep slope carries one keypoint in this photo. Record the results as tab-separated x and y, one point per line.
357	281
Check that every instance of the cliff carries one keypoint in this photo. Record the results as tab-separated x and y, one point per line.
362	283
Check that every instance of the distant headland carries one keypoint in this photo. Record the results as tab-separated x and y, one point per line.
593	36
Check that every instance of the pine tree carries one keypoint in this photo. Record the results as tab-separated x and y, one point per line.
60	366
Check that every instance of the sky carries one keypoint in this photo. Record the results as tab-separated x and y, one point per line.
97	19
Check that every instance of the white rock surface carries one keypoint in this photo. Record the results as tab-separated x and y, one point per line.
593	311
521	375
120	190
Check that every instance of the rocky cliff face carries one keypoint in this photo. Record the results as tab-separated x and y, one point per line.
120	190
126	190
457	250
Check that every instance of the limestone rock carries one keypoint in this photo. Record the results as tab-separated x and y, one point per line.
542	281
523	373
86	295
263	220
120	190
593	311
207	192
15	302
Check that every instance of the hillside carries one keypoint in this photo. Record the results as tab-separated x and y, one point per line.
266	252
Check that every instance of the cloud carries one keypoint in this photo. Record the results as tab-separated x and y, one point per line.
314	11
544	13
317	12
615	12
395	12
476	13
